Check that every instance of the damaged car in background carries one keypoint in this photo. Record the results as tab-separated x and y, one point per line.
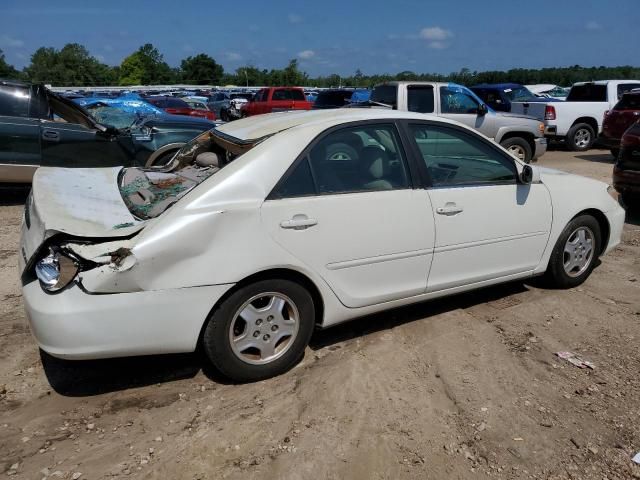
41	128
231	246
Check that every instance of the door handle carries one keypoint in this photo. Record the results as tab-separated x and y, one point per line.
50	135
299	222
450	208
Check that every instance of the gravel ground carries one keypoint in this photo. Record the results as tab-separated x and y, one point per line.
466	387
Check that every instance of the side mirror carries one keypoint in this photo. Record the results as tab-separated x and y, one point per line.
482	110
526	175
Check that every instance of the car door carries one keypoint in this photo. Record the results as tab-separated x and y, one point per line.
19	135
70	138
488	224
348	211
460	104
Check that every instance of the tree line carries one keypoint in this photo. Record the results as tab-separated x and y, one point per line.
73	65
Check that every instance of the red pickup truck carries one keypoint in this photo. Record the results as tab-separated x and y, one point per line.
276	99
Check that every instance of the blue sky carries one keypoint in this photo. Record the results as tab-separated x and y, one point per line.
333	36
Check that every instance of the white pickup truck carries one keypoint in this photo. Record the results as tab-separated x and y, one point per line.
578	120
522	136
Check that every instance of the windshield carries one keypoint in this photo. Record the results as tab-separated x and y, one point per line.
147	193
518	94
112	117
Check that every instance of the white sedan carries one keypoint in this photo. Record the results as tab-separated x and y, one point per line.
263	229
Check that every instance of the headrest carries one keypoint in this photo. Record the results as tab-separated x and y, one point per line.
208	159
374	161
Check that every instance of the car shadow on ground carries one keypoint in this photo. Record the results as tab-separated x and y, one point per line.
95	377
14	195
598	157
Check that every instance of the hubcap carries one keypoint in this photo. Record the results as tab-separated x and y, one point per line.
264	328
578	251
518	151
582	137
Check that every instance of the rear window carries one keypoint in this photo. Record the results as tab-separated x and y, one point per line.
588	93
629	102
288	94
518	94
337	99
387	94
420	98
626	87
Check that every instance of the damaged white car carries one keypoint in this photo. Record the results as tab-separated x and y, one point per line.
263	229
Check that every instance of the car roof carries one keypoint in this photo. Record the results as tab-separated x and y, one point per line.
13	83
606	82
259	126
498	86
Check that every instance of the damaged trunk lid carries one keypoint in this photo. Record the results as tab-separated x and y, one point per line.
78	202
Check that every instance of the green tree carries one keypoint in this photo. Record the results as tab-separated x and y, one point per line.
72	65
146	66
201	70
7	71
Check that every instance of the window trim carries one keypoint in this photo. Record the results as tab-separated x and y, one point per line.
413	175
419	159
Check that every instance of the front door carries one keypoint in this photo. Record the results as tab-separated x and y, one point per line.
347	210
488	225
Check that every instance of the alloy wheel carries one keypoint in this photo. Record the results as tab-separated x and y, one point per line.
578	251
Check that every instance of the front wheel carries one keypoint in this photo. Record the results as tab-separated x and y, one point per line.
260	331
574	255
580	137
518	147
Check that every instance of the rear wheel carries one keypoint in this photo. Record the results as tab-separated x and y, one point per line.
574	255
261	330
615	152
519	147
580	137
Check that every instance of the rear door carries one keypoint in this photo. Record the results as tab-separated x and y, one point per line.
347	209
19	134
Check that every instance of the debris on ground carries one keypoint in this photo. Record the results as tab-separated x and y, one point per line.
576	360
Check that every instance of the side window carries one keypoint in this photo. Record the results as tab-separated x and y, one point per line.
280	95
298	183
355	159
626	87
455	100
456	158
420	98
14	101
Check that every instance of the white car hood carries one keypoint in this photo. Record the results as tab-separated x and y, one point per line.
80	202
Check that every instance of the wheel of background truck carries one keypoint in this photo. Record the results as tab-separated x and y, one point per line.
630	202
615	152
574	255
519	147
580	137
260	330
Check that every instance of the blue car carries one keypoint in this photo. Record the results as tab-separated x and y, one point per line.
500	95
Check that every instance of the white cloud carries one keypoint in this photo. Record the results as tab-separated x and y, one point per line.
294	18
593	25
435	34
233	56
7	41
437	37
306	54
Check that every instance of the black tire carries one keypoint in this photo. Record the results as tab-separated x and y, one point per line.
341	151
556	275
217	344
576	140
520	147
630	202
615	152
224	116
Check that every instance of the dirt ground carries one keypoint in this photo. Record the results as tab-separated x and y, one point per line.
467	387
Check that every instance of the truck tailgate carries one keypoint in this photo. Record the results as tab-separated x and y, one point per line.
533	109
